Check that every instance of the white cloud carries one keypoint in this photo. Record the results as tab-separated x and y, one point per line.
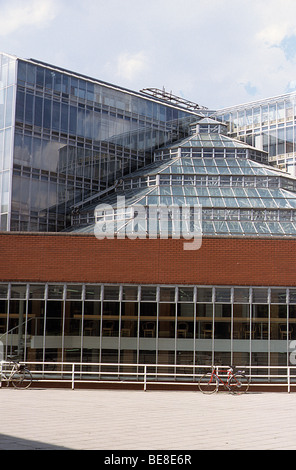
273	34
217	53
18	13
128	66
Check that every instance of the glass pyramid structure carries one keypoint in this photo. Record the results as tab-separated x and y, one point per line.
237	192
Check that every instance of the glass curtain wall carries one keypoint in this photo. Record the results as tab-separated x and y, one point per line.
268	125
7	106
130	324
75	137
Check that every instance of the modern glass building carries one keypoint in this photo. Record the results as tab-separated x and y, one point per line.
65	137
70	144
238	194
267	124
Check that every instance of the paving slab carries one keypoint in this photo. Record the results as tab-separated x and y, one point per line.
51	419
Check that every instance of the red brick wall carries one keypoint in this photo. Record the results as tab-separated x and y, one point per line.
82	258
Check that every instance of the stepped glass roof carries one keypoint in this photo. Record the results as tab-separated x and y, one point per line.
237	194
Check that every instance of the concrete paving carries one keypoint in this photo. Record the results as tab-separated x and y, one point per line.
60	419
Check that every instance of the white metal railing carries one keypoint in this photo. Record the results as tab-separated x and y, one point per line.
75	373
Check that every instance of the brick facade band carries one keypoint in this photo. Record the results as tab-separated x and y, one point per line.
35	257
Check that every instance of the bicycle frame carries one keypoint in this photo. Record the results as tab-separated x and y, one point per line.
235	382
215	373
15	373
8	376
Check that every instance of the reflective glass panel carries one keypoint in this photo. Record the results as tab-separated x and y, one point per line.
92	292
148	293
3	291
18	291
36	291
111	292
204	294
260	295
55	291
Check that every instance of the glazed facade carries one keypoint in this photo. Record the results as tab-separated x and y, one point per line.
158	324
269	125
66	142
65	137
235	191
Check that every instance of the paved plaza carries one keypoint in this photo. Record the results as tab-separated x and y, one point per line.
53	419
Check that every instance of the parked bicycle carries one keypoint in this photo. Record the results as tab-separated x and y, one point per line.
15	373
235	382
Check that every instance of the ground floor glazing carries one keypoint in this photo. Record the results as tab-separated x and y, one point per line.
141	324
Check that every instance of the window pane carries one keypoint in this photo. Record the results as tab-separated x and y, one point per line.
55	291
241	295
37	291
73	318
3	291
92	308
292	296
3	317
130	293
167	310
36	309
129	328
260	311
223	295
111	308
185	310
222	329
148	309
129	309
54	318
148	293
241	321
166	329
18	292
147	329
91	328
167	294
92	292
204	310
204	330
260	295
278	296
74	292
185	294
111	292
204	294
260	322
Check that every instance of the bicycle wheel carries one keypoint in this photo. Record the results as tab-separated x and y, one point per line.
22	379
208	383
239	384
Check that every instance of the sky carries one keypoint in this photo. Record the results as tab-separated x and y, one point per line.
216	53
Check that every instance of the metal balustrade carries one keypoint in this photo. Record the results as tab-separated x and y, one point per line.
76	373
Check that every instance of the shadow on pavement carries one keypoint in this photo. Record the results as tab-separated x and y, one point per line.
16	443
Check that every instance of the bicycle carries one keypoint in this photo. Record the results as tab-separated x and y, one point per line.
235	383
15	373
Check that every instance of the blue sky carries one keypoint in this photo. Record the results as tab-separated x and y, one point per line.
216	53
